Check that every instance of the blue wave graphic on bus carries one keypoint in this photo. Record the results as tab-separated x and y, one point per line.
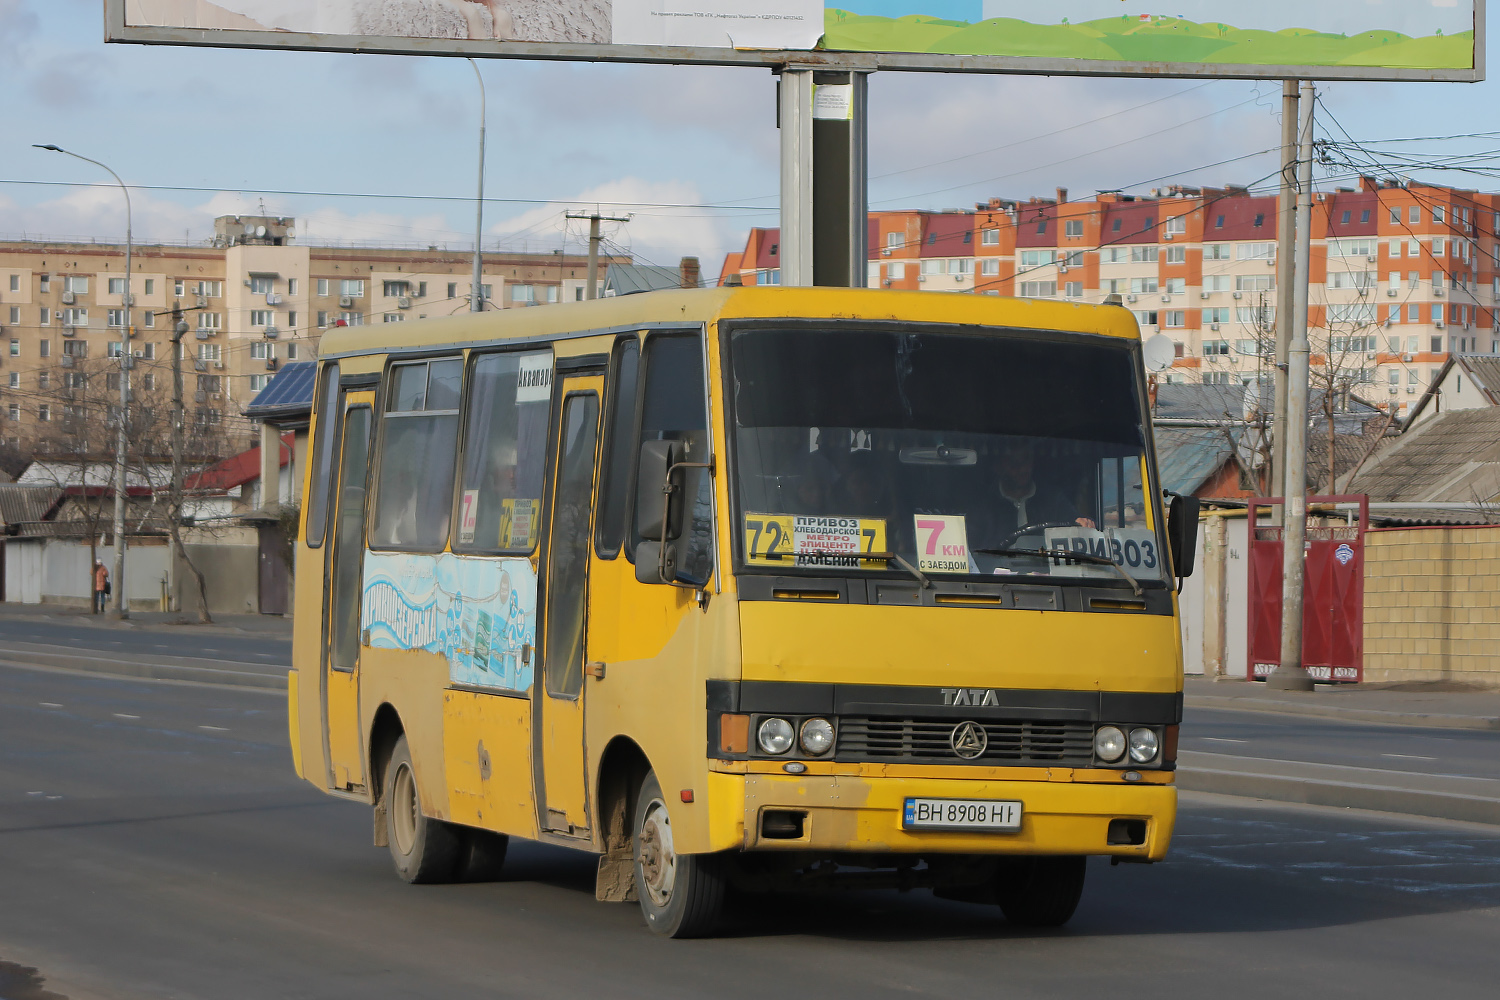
479	614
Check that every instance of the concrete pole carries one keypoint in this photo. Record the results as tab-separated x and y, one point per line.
476	294
592	291
1291	675
794	118
1215	598
1286	230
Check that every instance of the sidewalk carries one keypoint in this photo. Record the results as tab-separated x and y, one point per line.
1436	705
267	626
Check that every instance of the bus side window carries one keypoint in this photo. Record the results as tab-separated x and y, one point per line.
620	449
673	408
505	452
414	493
324	448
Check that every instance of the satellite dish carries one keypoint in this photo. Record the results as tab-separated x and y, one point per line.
260	232
291	233
1159	352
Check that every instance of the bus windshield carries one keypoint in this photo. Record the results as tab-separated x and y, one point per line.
941	451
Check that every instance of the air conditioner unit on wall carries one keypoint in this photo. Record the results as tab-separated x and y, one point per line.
67	298
403	302
1437	292
346	301
1239	295
1203	295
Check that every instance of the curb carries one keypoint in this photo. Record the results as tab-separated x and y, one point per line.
1270	706
1347	795
221	676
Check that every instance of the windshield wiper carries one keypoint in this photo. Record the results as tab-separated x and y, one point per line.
889	557
1068	554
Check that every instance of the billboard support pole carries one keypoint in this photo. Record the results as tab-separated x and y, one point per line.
841	201
1291	675
1286	235
794	99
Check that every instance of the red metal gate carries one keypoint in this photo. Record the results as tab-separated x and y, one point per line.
1333	603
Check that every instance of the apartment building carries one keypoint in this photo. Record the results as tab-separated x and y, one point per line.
1403	276
254	298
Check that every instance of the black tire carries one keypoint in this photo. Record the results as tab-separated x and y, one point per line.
485	857
1040	891
424	850
681	895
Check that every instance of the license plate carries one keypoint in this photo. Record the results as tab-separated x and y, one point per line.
961	814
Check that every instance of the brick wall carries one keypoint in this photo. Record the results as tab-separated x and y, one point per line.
1432	605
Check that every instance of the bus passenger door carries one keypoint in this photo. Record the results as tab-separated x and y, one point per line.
341	656
562	800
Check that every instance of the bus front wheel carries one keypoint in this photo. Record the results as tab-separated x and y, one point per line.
1040	891
425	850
681	895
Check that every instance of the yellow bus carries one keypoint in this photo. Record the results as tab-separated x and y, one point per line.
758	588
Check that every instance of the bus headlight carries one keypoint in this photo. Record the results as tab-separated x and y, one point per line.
1143	745
817	737
774	736
1109	743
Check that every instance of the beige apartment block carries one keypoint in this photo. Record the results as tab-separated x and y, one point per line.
1432	605
254	298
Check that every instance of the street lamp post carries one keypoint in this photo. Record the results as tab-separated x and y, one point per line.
121	609
476	292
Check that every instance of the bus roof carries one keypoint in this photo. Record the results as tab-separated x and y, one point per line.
699	306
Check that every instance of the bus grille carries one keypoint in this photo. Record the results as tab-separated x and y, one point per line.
919	741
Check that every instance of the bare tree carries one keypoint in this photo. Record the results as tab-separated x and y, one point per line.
74	442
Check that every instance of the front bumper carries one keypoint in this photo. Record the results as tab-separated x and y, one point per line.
863	813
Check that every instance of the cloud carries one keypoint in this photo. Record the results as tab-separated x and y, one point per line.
98	213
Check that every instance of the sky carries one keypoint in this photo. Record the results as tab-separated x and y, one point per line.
689	153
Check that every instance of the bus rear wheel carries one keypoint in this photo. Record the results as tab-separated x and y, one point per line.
425	850
1040	891
681	895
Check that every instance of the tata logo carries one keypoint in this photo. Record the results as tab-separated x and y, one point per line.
977	697
969	740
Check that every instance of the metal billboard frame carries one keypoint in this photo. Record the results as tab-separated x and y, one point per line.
116	30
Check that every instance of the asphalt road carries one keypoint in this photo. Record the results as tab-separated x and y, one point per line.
81	634
155	843
1458	752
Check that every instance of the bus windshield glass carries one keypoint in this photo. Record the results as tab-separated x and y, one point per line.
942	453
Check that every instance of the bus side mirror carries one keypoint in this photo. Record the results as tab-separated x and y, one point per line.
1182	534
658	503
656	562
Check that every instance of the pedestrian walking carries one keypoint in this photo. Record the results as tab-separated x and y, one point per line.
101	586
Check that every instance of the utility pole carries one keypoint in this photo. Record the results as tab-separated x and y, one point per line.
476	292
592	291
1286	255
179	328
1291	675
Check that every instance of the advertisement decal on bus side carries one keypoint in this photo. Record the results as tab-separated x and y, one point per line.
478	613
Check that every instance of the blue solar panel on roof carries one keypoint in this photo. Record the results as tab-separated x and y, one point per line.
289	391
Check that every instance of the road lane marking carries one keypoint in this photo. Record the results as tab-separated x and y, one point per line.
122	715
49	704
1407	756
216	729
1221	739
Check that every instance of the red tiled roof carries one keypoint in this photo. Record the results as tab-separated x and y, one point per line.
235	471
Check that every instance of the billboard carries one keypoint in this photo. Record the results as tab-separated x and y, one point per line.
1268	39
